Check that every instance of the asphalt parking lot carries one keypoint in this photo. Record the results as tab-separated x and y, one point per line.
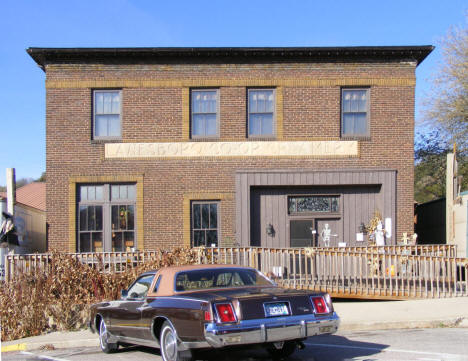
448	344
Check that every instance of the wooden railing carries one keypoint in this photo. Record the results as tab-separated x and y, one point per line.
394	272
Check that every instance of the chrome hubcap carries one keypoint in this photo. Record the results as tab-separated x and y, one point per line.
170	345
103	335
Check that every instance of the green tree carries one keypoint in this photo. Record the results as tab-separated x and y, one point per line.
431	166
447	105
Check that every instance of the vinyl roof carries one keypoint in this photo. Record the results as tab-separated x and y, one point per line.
44	56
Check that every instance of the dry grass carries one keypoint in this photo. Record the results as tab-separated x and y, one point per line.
59	298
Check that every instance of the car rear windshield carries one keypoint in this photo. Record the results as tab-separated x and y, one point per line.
219	278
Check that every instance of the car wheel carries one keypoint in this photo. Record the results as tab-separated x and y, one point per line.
169	348
106	346
281	349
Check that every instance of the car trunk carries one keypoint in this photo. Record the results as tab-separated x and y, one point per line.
274	306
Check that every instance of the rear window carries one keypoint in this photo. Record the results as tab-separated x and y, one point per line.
219	278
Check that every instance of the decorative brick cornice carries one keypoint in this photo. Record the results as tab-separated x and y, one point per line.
187	83
72	201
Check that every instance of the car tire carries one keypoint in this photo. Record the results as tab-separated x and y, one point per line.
168	344
279	350
106	346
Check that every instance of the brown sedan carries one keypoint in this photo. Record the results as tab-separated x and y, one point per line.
181	309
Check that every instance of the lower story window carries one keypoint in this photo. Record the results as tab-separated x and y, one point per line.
205	223
106	218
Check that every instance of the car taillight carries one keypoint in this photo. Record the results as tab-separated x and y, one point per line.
225	312
208	317
320	305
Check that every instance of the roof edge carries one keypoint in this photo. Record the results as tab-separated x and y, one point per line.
45	56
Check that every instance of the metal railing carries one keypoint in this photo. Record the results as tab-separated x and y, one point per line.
363	272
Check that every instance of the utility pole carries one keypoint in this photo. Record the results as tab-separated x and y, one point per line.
11	190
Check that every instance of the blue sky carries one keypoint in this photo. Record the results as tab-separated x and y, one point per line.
134	23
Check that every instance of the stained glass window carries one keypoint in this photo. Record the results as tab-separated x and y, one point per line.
313	204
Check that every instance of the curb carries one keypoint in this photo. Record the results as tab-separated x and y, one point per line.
15	347
30	346
371	326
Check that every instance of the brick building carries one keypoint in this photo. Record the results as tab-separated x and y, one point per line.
155	147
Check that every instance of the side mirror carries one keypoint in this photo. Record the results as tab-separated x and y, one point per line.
123	294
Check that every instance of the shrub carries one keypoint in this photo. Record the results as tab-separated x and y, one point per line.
58	297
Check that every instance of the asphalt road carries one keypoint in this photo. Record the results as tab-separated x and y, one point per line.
448	344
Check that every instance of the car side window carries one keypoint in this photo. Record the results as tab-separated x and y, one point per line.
140	288
156	286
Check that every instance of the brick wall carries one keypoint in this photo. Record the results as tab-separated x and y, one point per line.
153	99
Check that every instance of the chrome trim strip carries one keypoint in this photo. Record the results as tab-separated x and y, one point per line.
137	341
270	330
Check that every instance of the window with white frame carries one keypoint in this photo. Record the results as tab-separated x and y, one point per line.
261	109
204	113
107	114
355	112
106	217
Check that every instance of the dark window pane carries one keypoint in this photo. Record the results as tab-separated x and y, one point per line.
196	216
97	242
122	217
199	238
91	219
115	217
83	218
205	215
85	245
212	238
129	240
98	210
130	217
213	215
117	242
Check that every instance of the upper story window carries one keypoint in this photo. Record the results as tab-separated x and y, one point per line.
204	115
261	109
106	115
355	112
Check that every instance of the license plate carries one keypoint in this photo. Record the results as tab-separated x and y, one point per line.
326	329
276	309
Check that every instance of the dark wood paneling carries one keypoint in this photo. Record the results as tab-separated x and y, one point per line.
265	194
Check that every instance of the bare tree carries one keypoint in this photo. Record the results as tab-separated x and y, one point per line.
447	106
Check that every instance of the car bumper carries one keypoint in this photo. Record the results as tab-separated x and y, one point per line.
270	330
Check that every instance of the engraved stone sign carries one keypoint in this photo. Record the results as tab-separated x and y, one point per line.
313	149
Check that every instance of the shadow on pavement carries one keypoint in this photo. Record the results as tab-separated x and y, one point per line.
318	348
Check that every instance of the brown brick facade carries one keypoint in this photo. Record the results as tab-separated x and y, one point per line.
155	108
